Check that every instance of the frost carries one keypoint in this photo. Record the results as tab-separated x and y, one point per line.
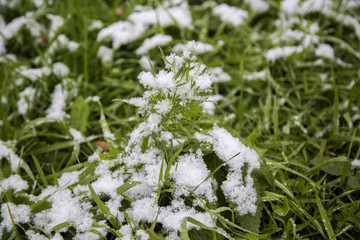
230	14
14	182
26	98
154	41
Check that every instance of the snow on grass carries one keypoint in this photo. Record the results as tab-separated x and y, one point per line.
19	213
152	42
34	74
230	14
190	172
258	5
255	75
77	136
282	52
146	63
14	182
26	98
355	163
56	23
237	188
325	50
139	21
105	54
10	155
64	208
199	47
218	75
55	111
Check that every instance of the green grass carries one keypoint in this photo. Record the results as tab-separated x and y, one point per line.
301	125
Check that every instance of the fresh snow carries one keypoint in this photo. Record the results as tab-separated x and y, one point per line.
230	14
152	42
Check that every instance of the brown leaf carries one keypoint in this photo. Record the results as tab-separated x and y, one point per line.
101	144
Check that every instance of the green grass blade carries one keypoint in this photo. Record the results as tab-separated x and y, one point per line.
172	159
39	169
126	186
325	219
103	208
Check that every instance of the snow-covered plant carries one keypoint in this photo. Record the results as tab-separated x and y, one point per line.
161	179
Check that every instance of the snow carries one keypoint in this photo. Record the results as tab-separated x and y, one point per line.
258	5
218	75
123	32
355	164
56	23
163	107
77	136
96	24
152	42
8	153
65	208
325	50
255	75
62	42
12	28
32	235
236	155
191	171
55	111
290	7
281	52
230	14
34	74
14	182
20	214
60	69
105	54
199	47
145	62
25	102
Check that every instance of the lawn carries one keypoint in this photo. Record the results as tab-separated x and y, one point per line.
178	119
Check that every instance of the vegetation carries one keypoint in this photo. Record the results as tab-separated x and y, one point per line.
65	116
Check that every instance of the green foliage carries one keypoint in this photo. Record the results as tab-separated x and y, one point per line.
301	118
